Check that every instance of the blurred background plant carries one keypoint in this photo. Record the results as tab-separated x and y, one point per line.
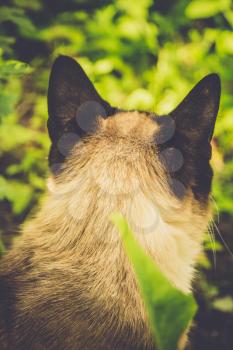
141	54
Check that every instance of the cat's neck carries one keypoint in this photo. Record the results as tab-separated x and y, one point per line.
82	230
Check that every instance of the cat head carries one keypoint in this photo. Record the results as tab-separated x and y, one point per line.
182	138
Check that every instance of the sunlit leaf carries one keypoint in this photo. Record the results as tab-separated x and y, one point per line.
163	301
224	304
13	68
206	8
19	194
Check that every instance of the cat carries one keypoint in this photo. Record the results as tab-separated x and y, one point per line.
67	283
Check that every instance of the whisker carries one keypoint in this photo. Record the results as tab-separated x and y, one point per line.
210	231
217	211
224	242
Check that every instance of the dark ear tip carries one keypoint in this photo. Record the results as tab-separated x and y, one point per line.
213	80
210	85
63	60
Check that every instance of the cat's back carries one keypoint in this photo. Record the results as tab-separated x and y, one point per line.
44	308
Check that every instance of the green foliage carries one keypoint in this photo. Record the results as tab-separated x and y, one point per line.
17	16
207	8
9	69
18	194
164	302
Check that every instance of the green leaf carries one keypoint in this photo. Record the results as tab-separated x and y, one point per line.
19	18
212	245
13	68
18	194
225	42
224	304
207	8
163	301
6	103
2	248
33	4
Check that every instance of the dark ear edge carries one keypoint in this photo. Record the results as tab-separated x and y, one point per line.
68	69
194	120
69	91
69	87
199	108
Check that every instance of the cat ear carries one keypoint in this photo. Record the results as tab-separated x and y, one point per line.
196	115
73	106
190	128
